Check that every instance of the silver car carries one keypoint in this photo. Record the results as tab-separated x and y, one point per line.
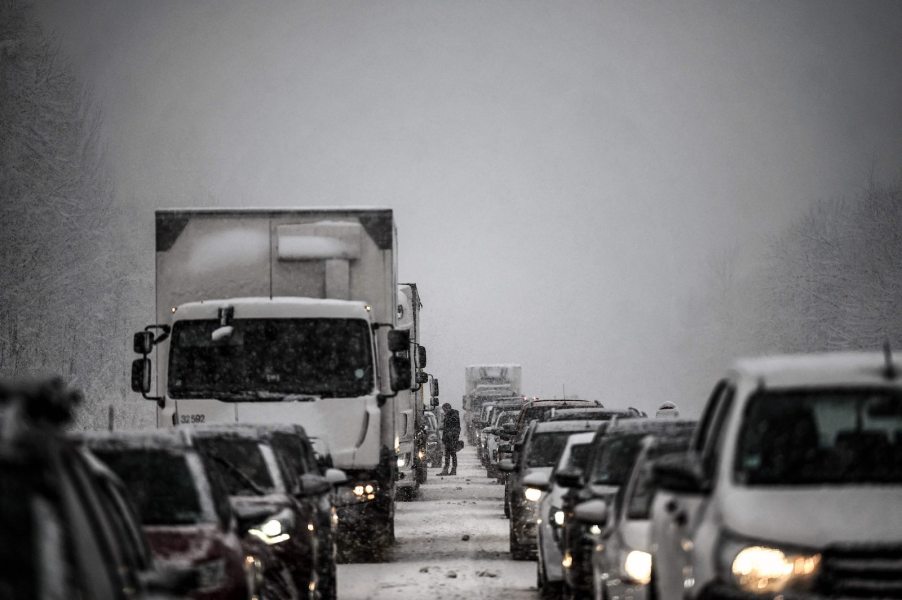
622	558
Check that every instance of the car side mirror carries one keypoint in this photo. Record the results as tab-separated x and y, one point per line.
568	478
141	375
336	476
142	343
312	485
421	358
507	466
399	372
681	473
398	340
433	390
538	481
592	512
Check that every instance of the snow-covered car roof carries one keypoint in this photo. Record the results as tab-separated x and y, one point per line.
826	369
597	413
651	426
151	439
575	426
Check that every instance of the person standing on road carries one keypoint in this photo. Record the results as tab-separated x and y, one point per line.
450	436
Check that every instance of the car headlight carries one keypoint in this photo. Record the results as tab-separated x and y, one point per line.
275	529
763	569
402	460
533	494
637	566
557	516
210	574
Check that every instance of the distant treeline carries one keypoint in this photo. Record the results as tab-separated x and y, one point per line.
69	284
831	281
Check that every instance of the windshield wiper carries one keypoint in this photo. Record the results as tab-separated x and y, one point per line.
235	471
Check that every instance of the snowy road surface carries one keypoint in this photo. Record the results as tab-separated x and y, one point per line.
432	561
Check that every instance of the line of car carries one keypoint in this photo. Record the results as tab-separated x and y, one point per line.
213	512
789	486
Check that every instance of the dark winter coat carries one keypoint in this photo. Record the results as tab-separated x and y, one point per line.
451	431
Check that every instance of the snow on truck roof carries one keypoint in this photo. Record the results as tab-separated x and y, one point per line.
275	209
284	307
824	369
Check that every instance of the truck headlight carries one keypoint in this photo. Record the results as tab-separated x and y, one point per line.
558	516
356	493
402	460
637	566
762	569
532	494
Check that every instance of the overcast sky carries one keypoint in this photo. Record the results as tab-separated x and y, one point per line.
562	173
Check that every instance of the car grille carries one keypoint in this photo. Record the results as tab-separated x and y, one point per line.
872	572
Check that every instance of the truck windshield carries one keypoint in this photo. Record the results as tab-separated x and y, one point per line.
819	437
271	359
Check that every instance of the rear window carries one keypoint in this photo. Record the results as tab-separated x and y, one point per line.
160	484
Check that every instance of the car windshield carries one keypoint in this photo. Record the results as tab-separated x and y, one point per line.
578	455
505	418
160	483
639	502
816	437
224	455
545	448
615	458
271	359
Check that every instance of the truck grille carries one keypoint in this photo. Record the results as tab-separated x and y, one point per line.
863	572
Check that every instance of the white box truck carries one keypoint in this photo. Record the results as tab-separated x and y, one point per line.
412	457
286	316
483	383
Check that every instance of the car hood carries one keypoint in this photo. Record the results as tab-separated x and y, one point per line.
815	516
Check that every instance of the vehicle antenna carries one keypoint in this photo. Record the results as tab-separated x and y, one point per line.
889	369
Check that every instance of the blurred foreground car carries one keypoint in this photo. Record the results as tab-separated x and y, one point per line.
528	478
610	461
792	486
621	559
551	515
184	512
67	530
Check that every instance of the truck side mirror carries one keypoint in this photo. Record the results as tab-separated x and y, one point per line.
143	342
421	358
399	372
398	340
434	389
422	377
141	375
433	402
